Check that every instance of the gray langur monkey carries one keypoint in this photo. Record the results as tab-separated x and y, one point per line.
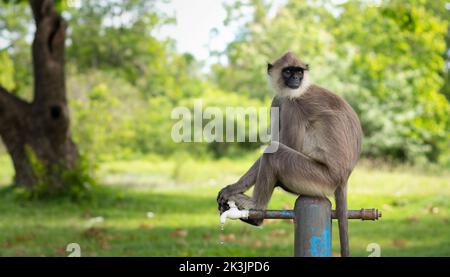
319	145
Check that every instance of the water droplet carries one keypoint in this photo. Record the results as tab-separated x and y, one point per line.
221	242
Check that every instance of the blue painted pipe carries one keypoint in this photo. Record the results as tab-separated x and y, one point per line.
312	220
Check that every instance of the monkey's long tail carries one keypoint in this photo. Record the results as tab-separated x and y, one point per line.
341	210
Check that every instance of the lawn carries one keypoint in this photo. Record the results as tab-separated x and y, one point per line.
157	207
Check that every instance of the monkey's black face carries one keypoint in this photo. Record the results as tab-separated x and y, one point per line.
292	76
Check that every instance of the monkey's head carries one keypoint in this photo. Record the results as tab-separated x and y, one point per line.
288	76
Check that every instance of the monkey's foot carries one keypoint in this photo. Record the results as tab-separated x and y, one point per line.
224	196
243	202
252	221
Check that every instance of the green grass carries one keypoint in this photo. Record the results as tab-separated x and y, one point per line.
181	194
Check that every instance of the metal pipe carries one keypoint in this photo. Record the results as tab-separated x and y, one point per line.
312	221
363	214
273	214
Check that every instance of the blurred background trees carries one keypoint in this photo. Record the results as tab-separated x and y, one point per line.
387	58
124	76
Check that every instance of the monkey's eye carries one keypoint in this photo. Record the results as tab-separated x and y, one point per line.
287	73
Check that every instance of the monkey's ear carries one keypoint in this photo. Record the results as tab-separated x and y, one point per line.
269	67
307	66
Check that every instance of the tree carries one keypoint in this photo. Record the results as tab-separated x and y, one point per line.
441	8
37	134
264	38
384	58
117	36
398	59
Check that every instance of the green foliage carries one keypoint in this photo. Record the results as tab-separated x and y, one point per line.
78	180
7	72
96	111
385	59
14	21
264	38
112	119
105	129
117	37
440	8
398	59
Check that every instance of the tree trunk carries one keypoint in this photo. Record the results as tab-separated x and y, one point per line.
37	134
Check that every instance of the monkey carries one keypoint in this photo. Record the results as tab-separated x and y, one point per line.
319	145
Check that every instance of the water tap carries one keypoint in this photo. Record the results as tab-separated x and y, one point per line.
233	213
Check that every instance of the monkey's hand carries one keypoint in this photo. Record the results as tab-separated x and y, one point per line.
223	197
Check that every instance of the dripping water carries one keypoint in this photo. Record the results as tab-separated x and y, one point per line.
221	242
